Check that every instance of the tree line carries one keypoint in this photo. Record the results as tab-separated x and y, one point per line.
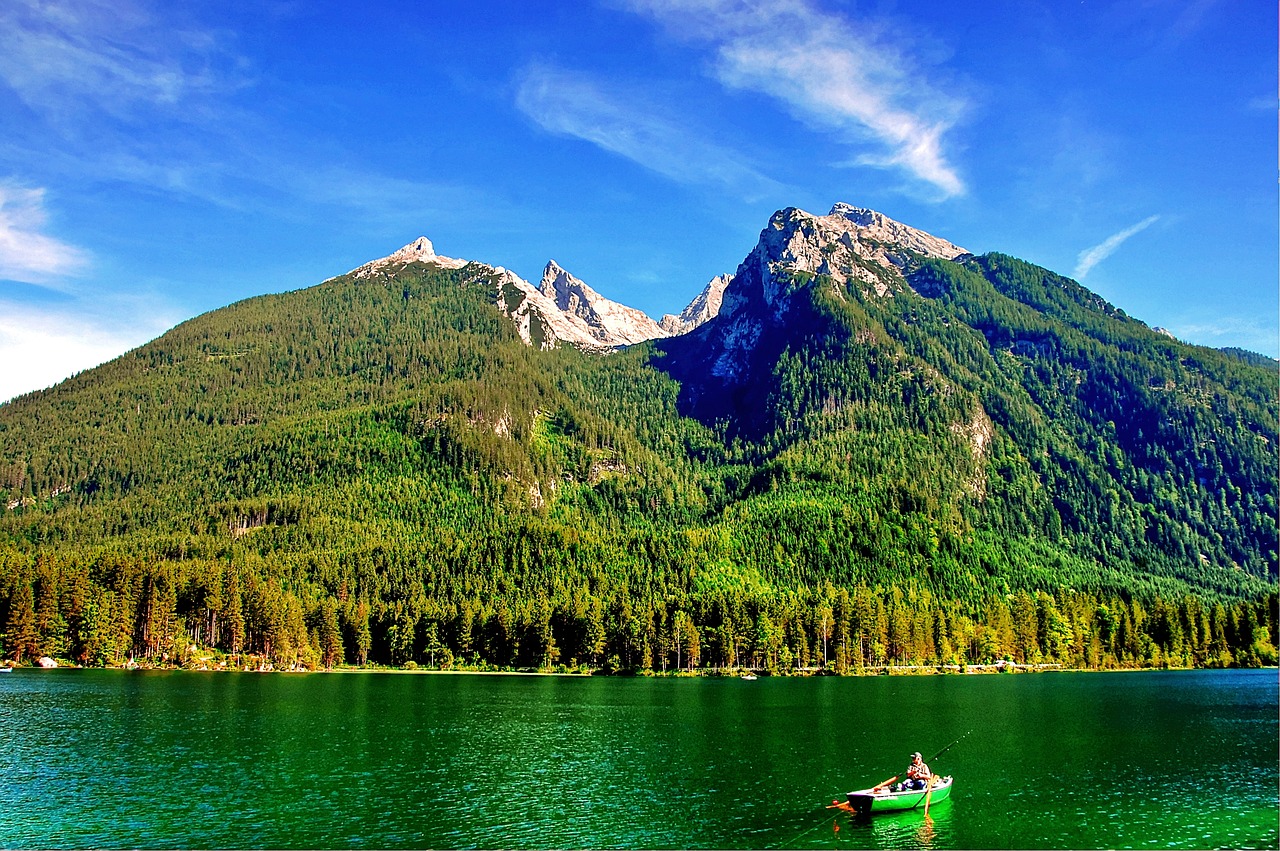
117	611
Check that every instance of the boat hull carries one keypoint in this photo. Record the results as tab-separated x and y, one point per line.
867	802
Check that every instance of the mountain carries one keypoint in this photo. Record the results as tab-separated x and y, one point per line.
842	326
562	309
704	307
1253	358
879	448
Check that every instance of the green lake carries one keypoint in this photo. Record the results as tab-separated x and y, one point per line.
1057	760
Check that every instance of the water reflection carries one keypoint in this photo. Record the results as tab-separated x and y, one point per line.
910	829
925	833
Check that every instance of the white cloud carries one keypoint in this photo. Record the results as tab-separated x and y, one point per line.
575	105
27	254
1091	257
40	346
832	76
78	59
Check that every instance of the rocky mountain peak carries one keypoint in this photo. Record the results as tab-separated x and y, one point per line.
704	307
538	320
611	323
856	252
853	246
569	293
419	251
817	244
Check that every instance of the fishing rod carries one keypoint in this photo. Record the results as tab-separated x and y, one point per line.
947	748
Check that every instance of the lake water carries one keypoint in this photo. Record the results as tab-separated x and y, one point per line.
1128	760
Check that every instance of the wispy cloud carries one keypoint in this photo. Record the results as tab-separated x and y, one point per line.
42	345
1091	257
143	93
26	252
576	105
79	59
831	75
1254	334
123	90
1263	103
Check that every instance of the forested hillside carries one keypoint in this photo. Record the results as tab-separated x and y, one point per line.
990	464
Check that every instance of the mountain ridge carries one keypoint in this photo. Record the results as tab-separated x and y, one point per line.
868	235
562	308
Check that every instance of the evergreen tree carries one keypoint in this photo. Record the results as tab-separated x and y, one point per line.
22	641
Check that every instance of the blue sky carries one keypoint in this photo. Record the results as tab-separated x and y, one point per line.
158	160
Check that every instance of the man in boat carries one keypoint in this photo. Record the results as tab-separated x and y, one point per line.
918	773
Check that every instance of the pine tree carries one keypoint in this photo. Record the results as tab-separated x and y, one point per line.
22	641
329	635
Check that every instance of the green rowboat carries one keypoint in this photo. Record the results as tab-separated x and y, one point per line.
882	799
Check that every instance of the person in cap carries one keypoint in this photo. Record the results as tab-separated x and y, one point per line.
918	773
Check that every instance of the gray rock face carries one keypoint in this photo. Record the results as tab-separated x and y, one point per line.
704	307
538	319
610	323
852	246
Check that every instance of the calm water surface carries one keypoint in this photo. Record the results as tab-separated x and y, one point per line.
1135	760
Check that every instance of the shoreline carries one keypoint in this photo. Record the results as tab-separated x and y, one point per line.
723	673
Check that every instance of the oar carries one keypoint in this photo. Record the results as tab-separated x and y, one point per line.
928	790
879	786
874	789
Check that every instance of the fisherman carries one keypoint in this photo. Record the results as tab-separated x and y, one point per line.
918	773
